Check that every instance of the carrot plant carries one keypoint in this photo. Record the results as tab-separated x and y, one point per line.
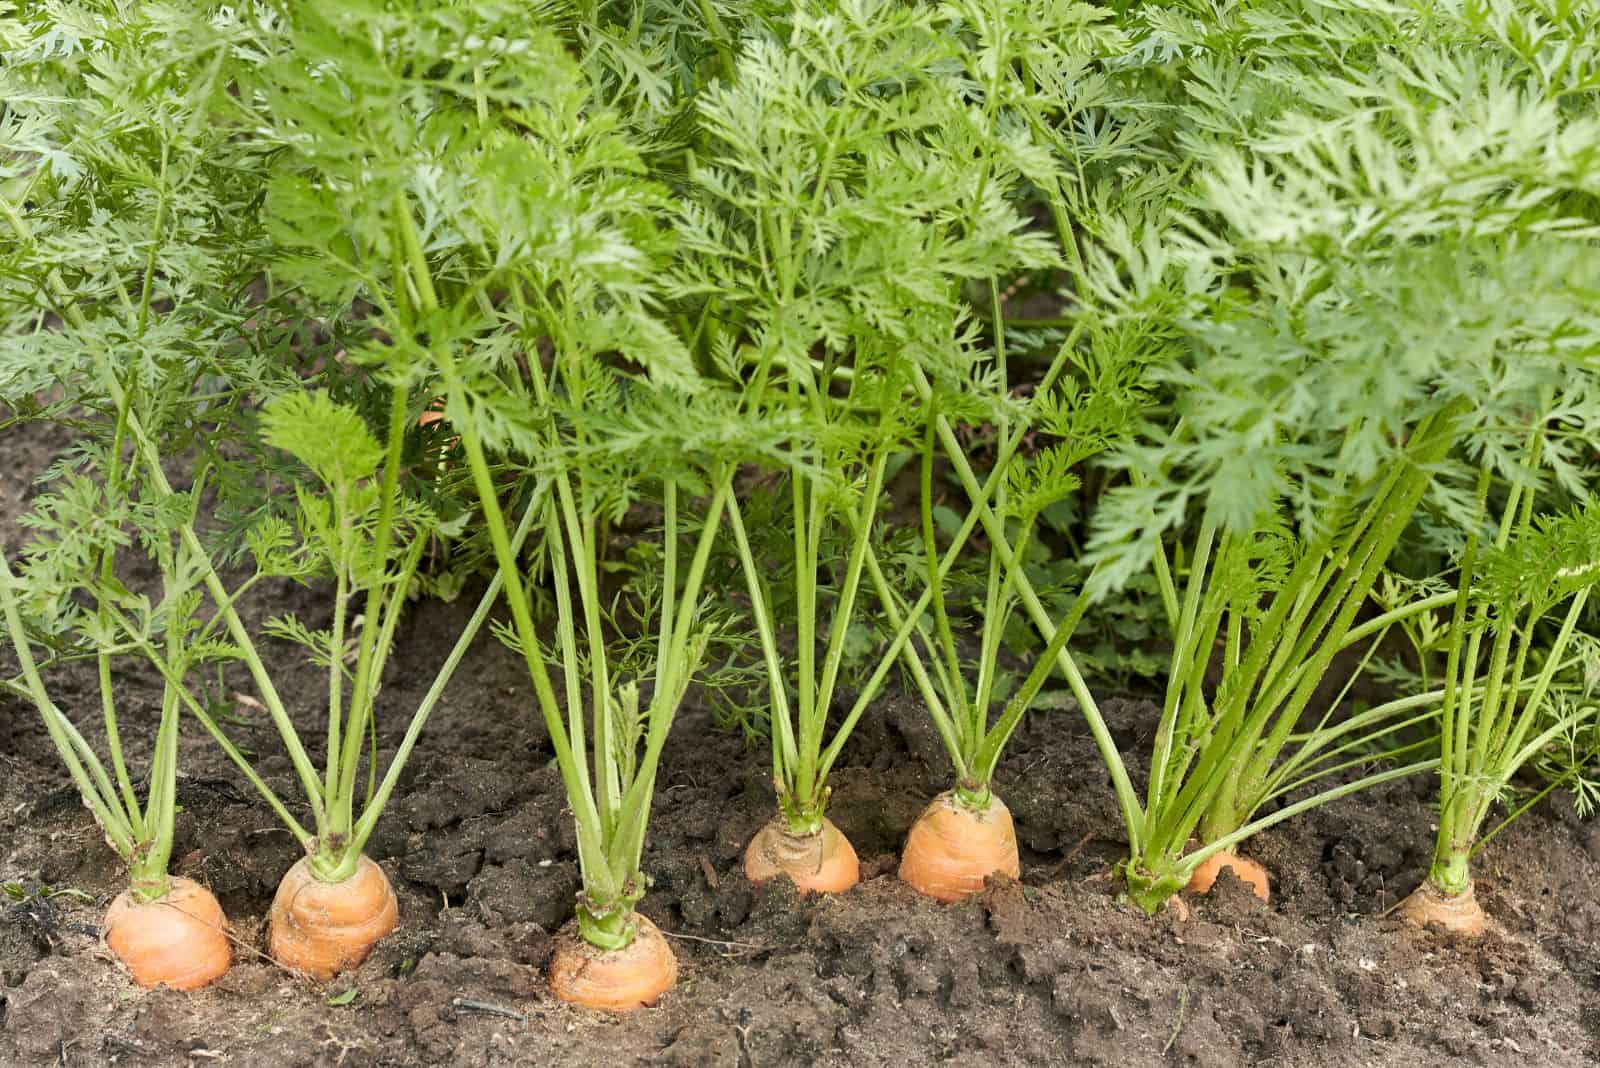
355	527
841	197
1518	603
966	834
1019	61
167	929
128	237
168	345
1483	214
1281	608
1304	440
493	211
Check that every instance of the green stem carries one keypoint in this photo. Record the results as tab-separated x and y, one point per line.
955	686
783	743
844	610
368	822
586	816
1184	653
101	799
1127	799
371	651
108	703
719	36
341	599
147	870
583	565
591	851
1452	746
1360	633
628	847
988	757
942	721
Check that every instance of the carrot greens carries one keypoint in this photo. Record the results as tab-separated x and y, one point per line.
1295	447
126	241
493	211
842	258
1520	597
171	347
826	340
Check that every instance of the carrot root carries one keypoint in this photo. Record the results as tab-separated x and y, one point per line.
1459	914
321	928
951	848
823	863
613	980
1248	871
179	941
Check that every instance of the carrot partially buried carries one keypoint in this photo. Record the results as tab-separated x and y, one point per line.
822	862
178	940
322	928
167	930
1246	870
614	980
953	848
1458	914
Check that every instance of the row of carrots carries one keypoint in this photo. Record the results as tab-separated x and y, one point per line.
322	929
685	289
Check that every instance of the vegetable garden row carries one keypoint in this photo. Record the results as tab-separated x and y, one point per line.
789	351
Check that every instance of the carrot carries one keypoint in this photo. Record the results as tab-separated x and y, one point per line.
178	940
321	928
614	980
1247	870
953	848
1459	914
432	414
822	863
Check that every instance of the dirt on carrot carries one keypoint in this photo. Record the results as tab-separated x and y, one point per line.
1253	874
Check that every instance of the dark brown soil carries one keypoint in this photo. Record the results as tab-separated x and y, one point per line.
1052	970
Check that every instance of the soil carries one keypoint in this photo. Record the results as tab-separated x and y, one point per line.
1054	969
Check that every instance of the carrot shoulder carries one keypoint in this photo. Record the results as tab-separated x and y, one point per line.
179	940
614	980
952	849
824	862
1459	914
321	928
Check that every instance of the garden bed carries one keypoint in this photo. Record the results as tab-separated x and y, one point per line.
1055	970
